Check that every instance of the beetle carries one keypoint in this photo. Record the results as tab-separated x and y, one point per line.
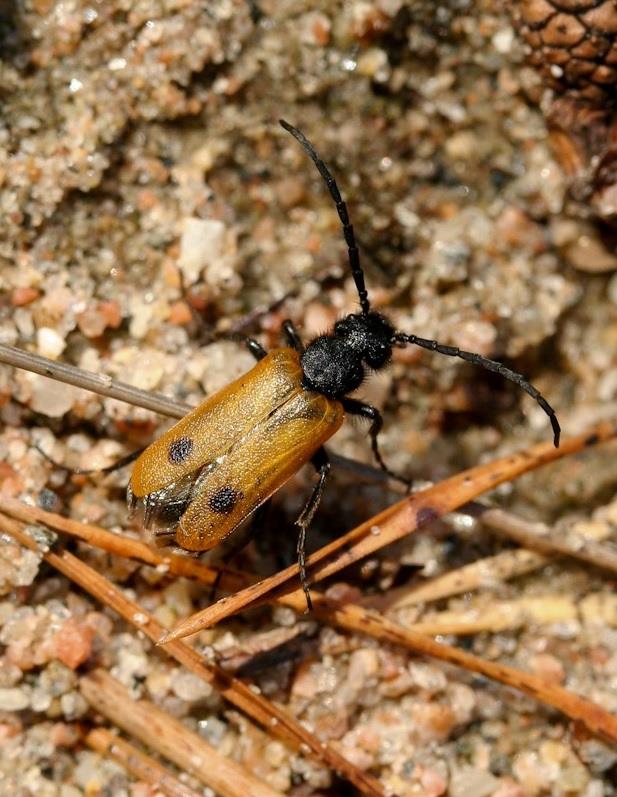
203	477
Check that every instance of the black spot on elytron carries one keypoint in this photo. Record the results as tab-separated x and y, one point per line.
180	450
592	439
224	500
426	514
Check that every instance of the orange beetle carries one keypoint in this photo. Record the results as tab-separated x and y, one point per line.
225	459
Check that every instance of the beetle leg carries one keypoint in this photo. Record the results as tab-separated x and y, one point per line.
255	348
322	466
293	338
354	407
88	471
163	538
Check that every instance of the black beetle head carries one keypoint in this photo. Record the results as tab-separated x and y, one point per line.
369	336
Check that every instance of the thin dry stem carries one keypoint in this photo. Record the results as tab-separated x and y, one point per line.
169	737
358	619
498	616
486	572
395	522
141	766
265	713
540	537
121	545
508	564
95	383
593	717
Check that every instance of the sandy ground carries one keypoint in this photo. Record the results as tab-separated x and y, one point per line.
150	204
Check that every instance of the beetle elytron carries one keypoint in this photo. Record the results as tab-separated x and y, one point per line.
225	459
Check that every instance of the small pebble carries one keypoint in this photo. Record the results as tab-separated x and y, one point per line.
64	735
73	643
503	40
18	567
599	609
10	675
589	254
433	782
213	730
49	343
363	668
201	244
190	687
548	667
50	397
433	721
24	296
509	788
472	783
40	700
290	191
14	699
533	774
314	28
180	314
427	677
73	705
372	61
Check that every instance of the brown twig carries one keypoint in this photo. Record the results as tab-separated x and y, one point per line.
263	650
485	572
143	767
169	737
121	545
395	522
507	564
95	383
498	616
262	711
358	619
596	719
540	537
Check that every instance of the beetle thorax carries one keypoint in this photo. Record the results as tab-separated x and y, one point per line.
336	364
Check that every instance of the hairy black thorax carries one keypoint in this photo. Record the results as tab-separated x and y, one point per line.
337	363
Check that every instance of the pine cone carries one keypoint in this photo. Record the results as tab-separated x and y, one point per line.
573	44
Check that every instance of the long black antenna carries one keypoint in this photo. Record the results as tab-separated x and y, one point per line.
341	208
490	365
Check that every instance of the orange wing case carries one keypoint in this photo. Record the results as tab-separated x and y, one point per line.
255	468
236	449
219	422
